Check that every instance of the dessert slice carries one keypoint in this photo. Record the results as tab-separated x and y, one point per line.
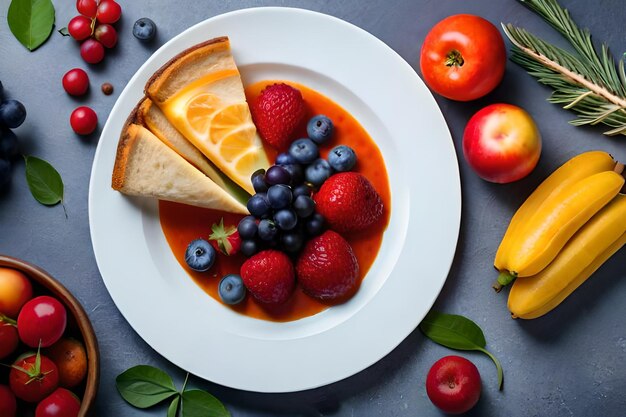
201	94
145	166
152	117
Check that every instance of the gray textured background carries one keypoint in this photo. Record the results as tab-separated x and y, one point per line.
569	363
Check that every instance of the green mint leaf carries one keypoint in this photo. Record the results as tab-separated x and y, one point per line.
144	386
63	31
198	403
457	332
173	408
44	181
31	21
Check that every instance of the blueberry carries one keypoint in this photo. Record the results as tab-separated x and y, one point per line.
279	196
296	172
267	230
258	181
144	29
315	224
5	172
304	206
249	247
231	289
304	151
200	255
12	113
286	219
277	175
320	128
247	227
285	159
317	172
342	158
302	189
292	242
258	205
8	143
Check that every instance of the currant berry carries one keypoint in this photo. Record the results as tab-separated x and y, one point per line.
79	28
76	82
106	35
87	8
92	51
83	120
108	11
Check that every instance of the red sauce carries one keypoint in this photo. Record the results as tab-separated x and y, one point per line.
181	224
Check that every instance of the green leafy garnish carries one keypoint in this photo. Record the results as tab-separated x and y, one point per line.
457	332
44	181
144	386
584	80
31	21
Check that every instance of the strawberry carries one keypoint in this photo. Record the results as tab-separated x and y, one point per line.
225	240
269	276
348	202
277	112
327	268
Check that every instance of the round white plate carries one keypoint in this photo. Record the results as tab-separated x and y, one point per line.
185	325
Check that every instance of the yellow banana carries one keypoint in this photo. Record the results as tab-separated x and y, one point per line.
544	233
586	251
577	168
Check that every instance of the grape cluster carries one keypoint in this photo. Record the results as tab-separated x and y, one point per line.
282	211
93	27
12	115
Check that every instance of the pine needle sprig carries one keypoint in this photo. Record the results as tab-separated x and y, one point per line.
585	81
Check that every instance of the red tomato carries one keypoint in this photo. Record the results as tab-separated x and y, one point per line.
8	339
41	321
31	383
15	290
61	403
453	384
463	57
8	405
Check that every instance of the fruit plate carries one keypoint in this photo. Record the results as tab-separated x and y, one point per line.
174	316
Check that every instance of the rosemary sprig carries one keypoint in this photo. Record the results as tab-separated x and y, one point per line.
585	81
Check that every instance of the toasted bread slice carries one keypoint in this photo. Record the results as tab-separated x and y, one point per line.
153	118
201	94
145	166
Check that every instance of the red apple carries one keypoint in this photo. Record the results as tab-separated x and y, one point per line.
15	290
453	384
502	143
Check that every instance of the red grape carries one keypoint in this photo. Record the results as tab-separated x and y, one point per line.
79	27
106	35
76	82
92	51
108	11
84	120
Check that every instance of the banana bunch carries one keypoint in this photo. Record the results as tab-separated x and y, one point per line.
568	227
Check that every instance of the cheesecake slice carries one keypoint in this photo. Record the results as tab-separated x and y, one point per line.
201	94
146	166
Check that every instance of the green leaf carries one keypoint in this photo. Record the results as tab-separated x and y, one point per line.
144	386
198	403
44	181
457	332
173	408
31	21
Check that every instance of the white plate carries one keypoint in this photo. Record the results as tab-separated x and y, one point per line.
185	325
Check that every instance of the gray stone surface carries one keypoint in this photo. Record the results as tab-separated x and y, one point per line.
570	363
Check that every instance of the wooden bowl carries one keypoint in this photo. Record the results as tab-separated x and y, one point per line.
77	318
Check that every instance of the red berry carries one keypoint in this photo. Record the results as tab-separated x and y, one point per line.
277	112
348	202
269	276
87	8
327	268
92	51
79	28
76	82
453	384
106	35
84	120
108	11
